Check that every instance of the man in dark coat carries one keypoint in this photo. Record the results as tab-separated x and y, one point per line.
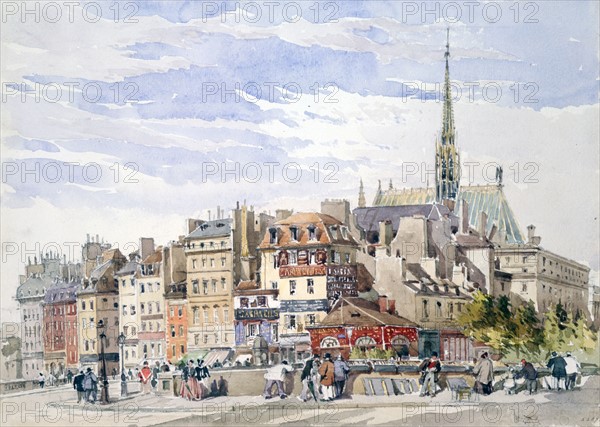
430	369
78	385
530	374
558	366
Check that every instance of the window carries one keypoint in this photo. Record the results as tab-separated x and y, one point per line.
203	262
182	348
290	320
312	235
425	310
293	257
133	330
205	287
157	307
450	309
347	258
244	302
438	309
214	285
125	330
91	304
274	285
149	308
216	314
328	342
294	232
204	339
142	308
223	262
226	315
212	262
223	283
196	339
124	310
83	305
292	287
83	323
194	262
180	330
143	326
261	301
142	288
196	315
252	330
272	235
173	331
311	319
172	311
275	332
150	326
365	343
180	311
205	315
310	286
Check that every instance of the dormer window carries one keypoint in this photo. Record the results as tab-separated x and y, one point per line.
312	232
294	233
272	235
344	232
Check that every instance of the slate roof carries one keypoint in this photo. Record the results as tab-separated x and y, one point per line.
217	227
369	218
481	198
129	268
61	292
34	286
354	311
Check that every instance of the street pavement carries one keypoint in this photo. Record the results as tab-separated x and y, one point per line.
59	407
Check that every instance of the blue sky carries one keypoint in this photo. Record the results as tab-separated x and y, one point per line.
367	106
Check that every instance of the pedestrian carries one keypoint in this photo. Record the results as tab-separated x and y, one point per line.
41	380
190	389
307	379
155	372
145	376
130	374
114	373
530	374
430	369
69	376
484	372
276	376
51	379
223	386
509	385
78	385
340	374
572	370
217	364
327	378
90	385
558	366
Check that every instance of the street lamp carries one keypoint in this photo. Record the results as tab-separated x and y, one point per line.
121	341
104	392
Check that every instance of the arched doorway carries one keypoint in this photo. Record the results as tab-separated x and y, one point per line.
401	345
365	343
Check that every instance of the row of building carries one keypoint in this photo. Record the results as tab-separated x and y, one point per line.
394	276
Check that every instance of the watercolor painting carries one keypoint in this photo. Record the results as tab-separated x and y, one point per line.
300	213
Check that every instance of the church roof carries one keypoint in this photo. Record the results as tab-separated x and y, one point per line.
369	218
480	198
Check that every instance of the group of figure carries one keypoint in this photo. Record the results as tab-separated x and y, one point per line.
564	371
321	380
86	385
194	381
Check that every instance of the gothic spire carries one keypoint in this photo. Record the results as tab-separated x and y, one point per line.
448	115
361	196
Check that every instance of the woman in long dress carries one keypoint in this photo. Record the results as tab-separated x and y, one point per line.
189	385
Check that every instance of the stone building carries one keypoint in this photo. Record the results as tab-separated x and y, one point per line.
310	258
98	305
175	294
152	304
30	295
129	318
60	327
219	253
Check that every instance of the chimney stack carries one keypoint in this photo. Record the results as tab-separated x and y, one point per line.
392	306
383	303
218	212
464	217
482	224
209	215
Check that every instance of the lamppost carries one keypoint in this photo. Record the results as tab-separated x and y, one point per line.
104	391
121	341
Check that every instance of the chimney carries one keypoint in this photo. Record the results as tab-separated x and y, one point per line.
383	303
465	217
97	238
209	215
482	224
385	232
530	232
493	232
88	238
218	212
392	306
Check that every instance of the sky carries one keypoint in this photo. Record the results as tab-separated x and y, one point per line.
125	118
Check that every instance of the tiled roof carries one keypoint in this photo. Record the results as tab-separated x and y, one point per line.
352	311
480	198
328	230
154	257
247	285
217	227
369	218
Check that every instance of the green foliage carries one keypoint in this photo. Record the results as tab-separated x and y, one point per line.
497	323
356	353
373	353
